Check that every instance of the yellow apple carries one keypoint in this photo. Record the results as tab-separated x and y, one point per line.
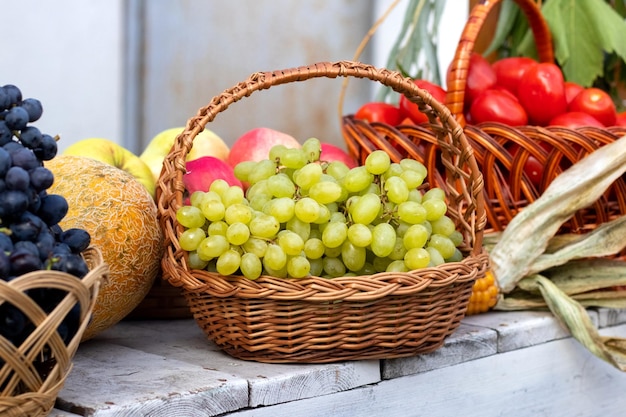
206	143
112	153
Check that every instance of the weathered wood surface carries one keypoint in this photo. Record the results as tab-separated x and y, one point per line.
494	364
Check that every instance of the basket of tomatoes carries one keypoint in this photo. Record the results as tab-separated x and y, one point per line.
526	123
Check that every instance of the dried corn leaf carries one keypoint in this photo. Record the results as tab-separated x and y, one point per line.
573	316
582	276
526	237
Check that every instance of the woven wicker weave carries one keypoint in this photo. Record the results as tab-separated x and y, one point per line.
507	188
314	320
32	374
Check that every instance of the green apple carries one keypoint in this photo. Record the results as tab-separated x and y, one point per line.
206	143
112	153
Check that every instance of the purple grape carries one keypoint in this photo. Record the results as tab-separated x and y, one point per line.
25	158
6	135
5	162
33	107
6	244
15	94
48	148
53	208
16	118
31	137
77	239
5	266
41	178
5	99
17	178
45	244
12	204
24	261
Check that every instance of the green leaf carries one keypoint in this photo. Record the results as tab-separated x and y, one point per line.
506	20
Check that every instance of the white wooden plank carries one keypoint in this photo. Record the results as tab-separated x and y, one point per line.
611	317
556	379
465	344
520	329
112	380
268	383
55	412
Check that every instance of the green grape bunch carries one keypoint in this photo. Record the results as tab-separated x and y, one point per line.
302	216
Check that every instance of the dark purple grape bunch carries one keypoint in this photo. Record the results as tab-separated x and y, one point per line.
30	236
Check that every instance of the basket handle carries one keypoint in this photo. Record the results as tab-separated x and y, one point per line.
449	134
457	74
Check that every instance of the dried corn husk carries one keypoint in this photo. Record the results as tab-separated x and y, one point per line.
537	269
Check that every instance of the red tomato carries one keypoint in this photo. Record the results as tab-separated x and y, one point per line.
597	103
532	167
542	93
509	71
480	77
574	119
621	119
379	112
498	106
411	110
571	90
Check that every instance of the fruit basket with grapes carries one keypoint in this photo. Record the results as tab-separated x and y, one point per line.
49	277
317	262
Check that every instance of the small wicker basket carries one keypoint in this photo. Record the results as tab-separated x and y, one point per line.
33	373
507	188
315	320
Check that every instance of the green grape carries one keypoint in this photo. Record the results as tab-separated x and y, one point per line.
275	257
334	234
312	148
337	216
238	213
360	235
397	266
213	210
413	179
196	198
212	246
291	243
324	215
395	169
316	233
194	261
256	246
337	169
190	217
276	152
228	262
298	267
408	164
302	229
353	256
402	227
443	244
357	179
264	169
332	252
258	201
243	169
373	188
456	237
282	209
281	185
334	267
277	273
396	190
412	212
233	195
317	267
435	256
251	266
308	175
428	227
217	228
237	233
264	226
380	264
191	238
293	158
416	258
365	209
383	239
435	209
325	192
219	186
434	193
443	226
415	236
399	250
314	248
457	257
415	195
377	162
368	269
258	188
307	210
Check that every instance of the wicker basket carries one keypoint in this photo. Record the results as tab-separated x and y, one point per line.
507	188
315	320
32	374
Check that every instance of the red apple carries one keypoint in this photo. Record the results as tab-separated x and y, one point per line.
335	153
255	145
203	171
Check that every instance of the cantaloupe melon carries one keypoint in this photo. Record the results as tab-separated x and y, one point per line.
121	217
